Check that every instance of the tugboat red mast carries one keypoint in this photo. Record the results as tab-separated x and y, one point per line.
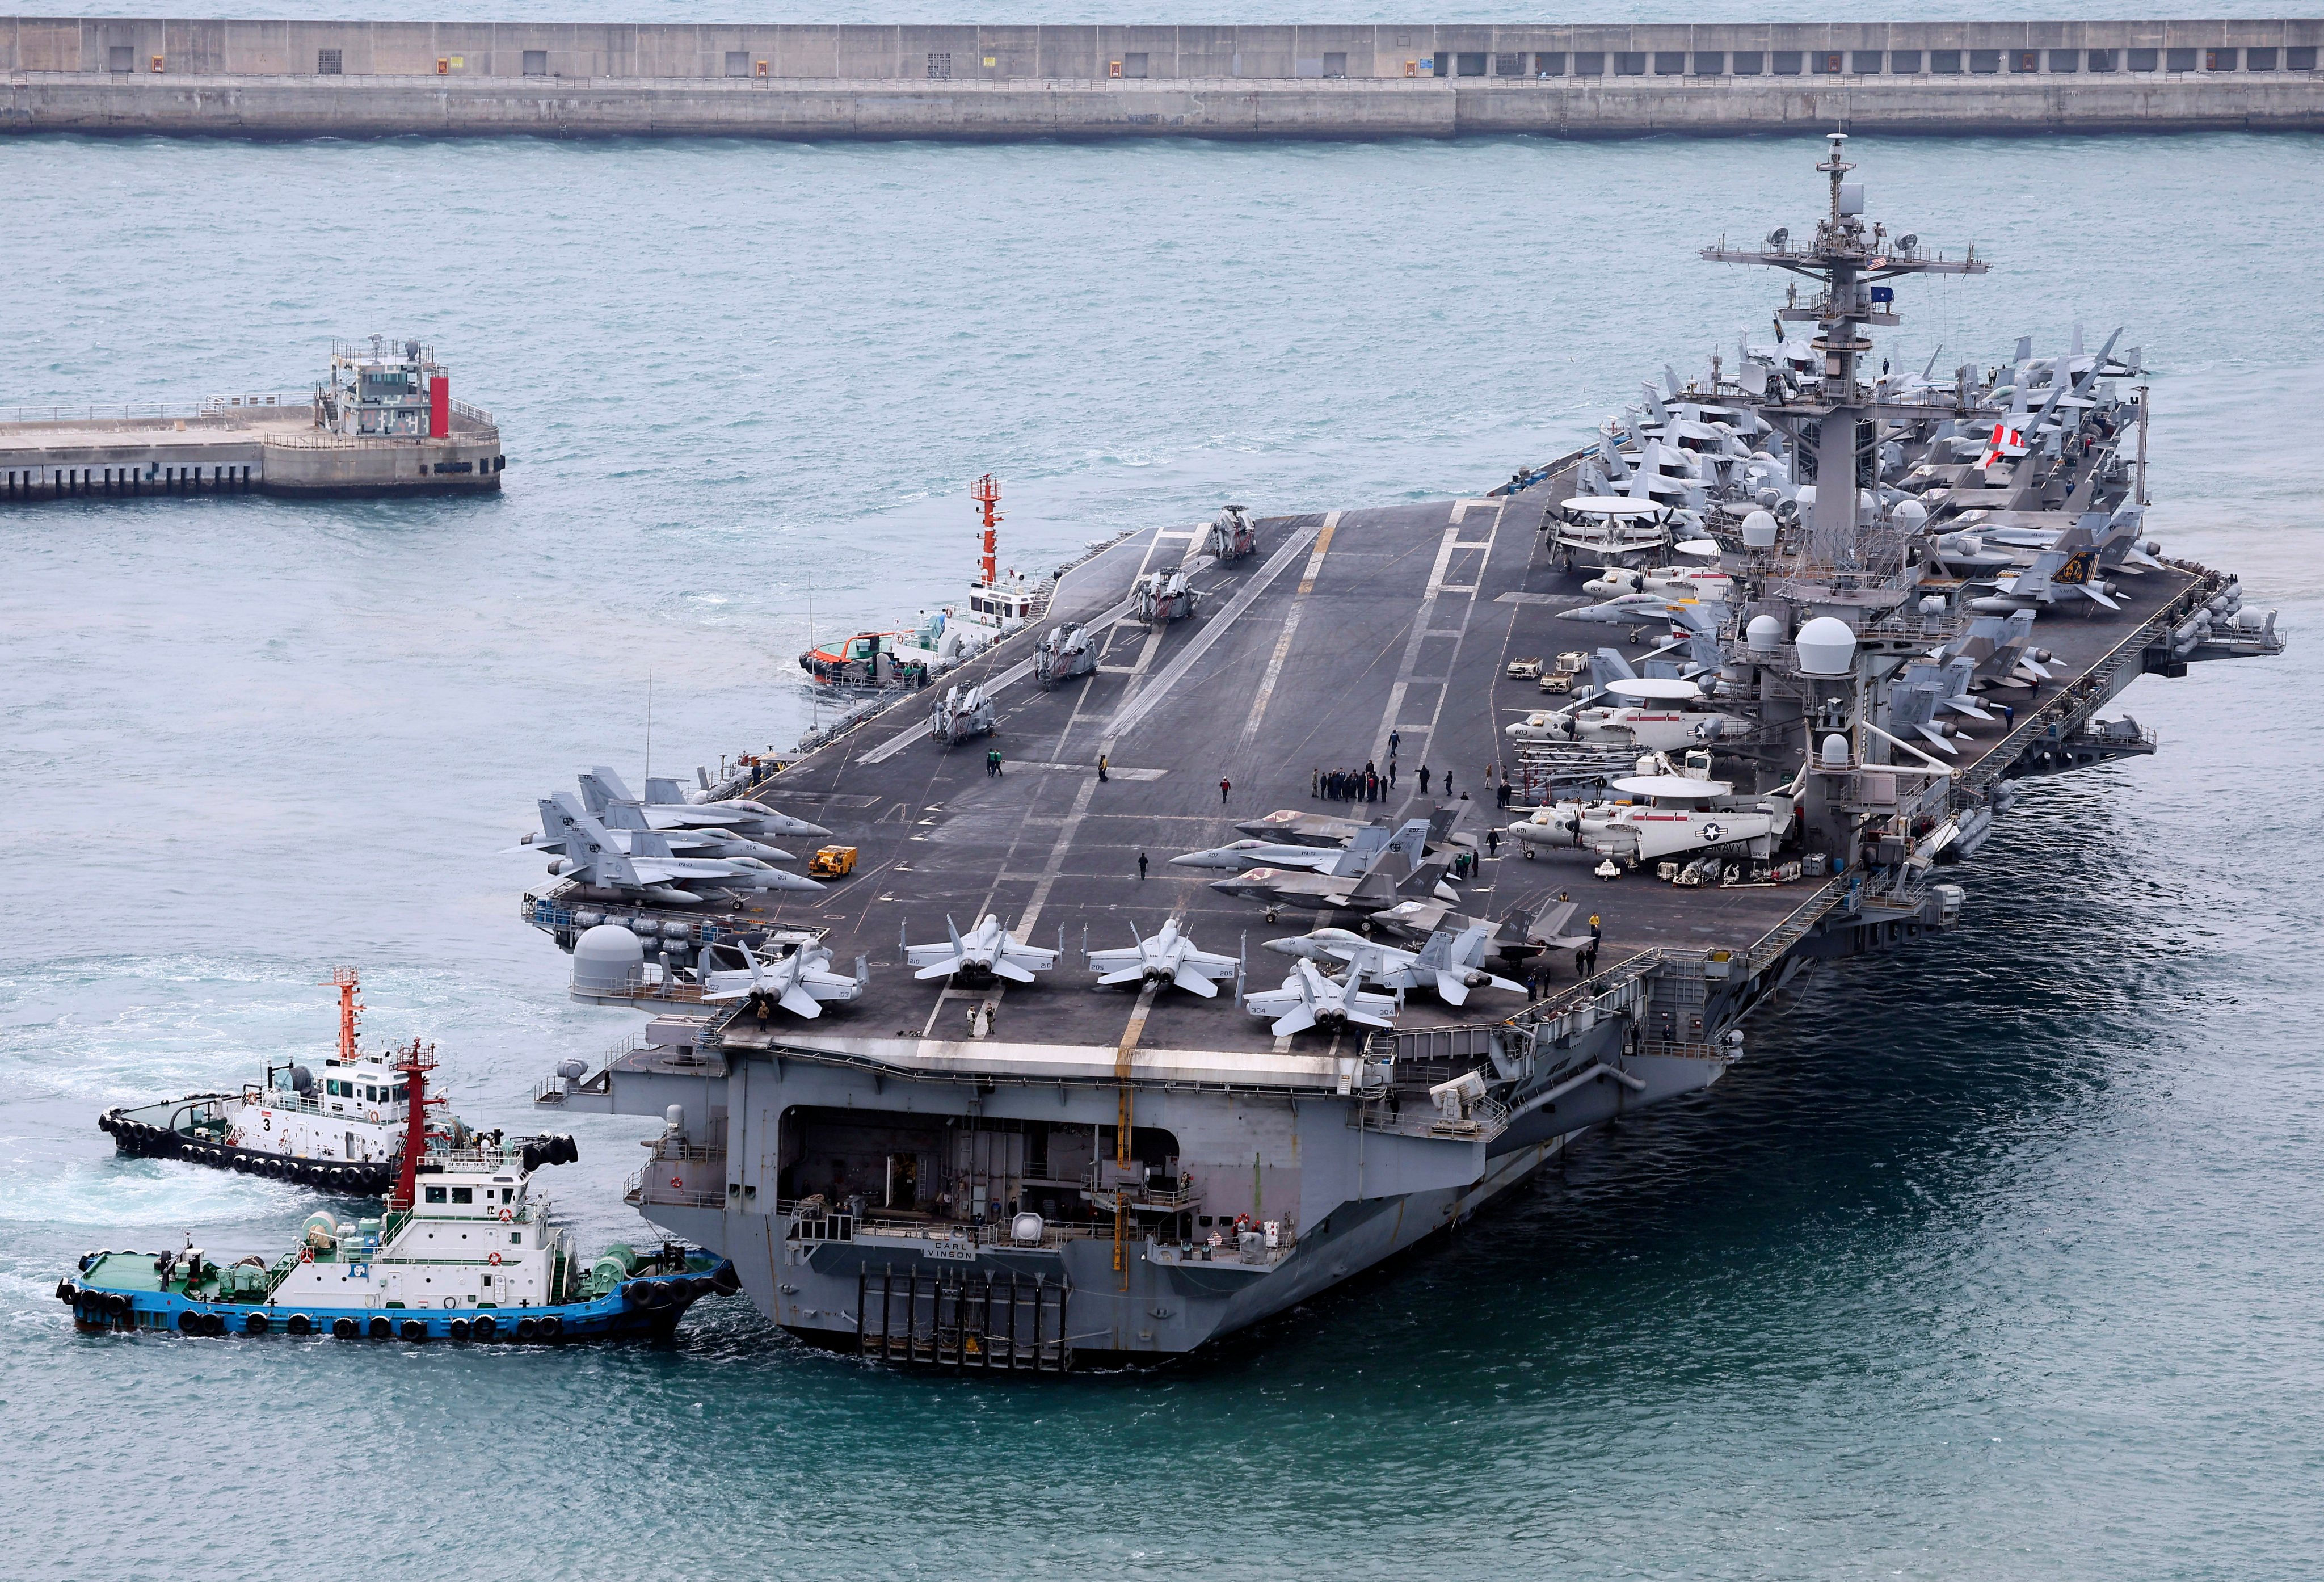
345	980
986	493
413	1065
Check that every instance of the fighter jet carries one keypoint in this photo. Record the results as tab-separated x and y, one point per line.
1516	937
2001	650
644	864
1239	855
1299	829
799	982
665	806
623	819
1318	892
990	951
1169	958
1309	999
2057	577
1451	965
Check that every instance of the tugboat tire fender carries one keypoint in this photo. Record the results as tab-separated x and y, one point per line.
459	1327
380	1328
256	1324
527	1328
298	1324
189	1322
487	1327
212	1323
725	1281
344	1329
67	1292
552	1328
413	1329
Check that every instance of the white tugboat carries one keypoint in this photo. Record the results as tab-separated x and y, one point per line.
466	1250
345	1131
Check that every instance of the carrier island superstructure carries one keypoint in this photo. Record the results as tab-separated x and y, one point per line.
1889	598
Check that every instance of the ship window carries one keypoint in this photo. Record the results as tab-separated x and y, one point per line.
508	1194
435	1194
402	1094
463	1194
516	1235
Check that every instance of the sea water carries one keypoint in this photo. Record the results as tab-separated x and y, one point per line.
1997	1256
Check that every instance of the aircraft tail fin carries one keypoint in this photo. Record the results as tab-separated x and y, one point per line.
648	843
664	792
616	786
1425	878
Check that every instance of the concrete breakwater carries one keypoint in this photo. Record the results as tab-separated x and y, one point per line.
290	79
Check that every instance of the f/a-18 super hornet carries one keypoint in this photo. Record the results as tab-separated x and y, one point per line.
988	951
1448	964
1310	999
1354	857
799	982
625	820
1518	937
641	863
1168	957
664	807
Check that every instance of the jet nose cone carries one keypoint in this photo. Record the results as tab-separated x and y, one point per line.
1192	859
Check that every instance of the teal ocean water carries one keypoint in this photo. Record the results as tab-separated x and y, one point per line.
1996	1258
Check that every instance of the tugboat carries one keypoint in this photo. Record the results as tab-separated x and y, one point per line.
999	604
466	1250
344	1133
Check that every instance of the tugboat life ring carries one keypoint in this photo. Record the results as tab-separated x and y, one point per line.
508	1215
495	1260
306	1254
677	1185
374	1117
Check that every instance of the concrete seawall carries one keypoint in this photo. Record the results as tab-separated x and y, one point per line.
377	79
259	106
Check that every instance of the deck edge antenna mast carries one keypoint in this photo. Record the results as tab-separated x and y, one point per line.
345	980
986	493
1852	261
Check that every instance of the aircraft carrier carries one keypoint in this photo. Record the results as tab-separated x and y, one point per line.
1035	1174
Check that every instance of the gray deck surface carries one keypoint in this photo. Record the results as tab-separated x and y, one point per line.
1304	656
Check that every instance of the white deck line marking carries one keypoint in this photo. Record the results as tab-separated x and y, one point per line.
1453	660
1136	708
1056	862
1419	635
1283	643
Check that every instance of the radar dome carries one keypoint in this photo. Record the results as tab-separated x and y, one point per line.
1759	530
1909	514
1806	496
607	960
1765	634
1826	646
1835	751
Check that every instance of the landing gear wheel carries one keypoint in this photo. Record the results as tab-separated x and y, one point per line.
1271	914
